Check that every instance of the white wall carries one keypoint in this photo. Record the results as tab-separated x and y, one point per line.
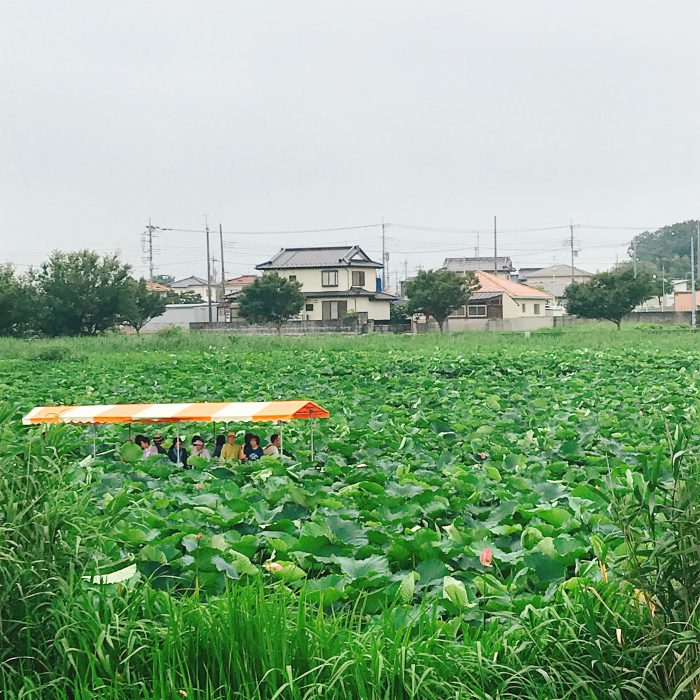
311	280
180	315
557	285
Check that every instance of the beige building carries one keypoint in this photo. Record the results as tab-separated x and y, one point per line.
553	279
337	282
196	285
500	304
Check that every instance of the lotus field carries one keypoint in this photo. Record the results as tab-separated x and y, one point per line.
474	482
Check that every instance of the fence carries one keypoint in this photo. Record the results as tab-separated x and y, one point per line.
348	326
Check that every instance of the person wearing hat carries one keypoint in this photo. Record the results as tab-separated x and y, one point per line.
230	450
198	448
158	444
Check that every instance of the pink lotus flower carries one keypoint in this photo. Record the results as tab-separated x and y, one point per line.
486	556
273	566
199	536
483	455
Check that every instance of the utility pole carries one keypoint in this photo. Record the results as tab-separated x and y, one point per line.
208	273
697	248
383	255
571	244
405	269
150	232
634	254
495	248
663	286
478	252
223	269
693	294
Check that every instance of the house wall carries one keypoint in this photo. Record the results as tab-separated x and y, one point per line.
180	315
201	290
375	310
513	308
311	280
556	285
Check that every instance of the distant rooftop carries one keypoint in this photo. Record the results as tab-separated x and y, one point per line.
552	271
192	281
503	264
242	280
338	256
491	283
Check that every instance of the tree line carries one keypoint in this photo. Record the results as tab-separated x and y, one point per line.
75	293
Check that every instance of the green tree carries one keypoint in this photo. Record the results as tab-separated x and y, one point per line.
188	297
82	293
145	305
667	248
271	299
438	293
167	280
611	295
18	301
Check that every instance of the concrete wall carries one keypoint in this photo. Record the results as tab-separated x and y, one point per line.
658	317
180	315
311	280
456	325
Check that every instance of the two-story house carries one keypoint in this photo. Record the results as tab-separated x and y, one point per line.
336	281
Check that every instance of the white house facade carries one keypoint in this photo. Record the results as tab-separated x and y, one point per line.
336	281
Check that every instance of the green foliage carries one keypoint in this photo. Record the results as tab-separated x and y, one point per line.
610	295
398	314
271	299
144	305
187	297
438	293
357	573
82	293
167	280
667	248
18	301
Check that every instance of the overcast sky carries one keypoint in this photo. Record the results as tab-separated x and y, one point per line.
283	115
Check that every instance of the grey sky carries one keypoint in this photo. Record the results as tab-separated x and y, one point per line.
318	113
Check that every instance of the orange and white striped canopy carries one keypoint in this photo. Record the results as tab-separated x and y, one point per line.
176	412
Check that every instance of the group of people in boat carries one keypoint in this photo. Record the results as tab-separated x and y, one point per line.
226	448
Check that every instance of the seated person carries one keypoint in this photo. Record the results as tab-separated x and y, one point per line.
251	450
145	444
158	443
230	450
220	442
273	449
198	448
177	453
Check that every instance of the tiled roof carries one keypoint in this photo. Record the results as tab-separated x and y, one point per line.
242	280
191	281
490	283
338	256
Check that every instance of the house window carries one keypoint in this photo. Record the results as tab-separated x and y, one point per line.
476	311
329	278
292	278
334	310
358	278
461	312
537	309
524	308
309	307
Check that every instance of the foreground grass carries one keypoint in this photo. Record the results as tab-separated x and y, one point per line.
63	638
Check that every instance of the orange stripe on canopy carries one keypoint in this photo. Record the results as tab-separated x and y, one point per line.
176	412
290	410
